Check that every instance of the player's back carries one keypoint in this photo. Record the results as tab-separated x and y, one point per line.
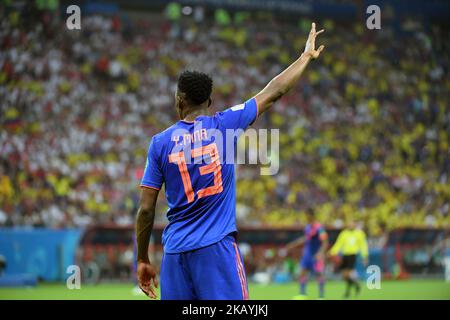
315	234
195	161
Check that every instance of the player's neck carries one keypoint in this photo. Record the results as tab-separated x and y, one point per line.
191	115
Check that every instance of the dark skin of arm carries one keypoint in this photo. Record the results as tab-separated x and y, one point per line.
282	83
275	89
146	272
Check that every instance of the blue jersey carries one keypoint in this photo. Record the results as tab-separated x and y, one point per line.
195	161
314	234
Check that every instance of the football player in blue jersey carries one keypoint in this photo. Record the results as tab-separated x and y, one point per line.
315	242
201	258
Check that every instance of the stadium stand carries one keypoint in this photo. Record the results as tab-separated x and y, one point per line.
365	135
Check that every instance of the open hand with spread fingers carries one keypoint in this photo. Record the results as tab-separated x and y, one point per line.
311	43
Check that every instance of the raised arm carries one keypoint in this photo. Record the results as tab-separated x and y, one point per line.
146	272
283	82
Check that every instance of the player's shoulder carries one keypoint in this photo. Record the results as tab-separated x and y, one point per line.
321	228
317	225
235	107
166	134
159	140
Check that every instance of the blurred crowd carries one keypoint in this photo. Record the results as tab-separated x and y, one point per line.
365	135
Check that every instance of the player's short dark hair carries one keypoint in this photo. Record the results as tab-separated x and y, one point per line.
197	86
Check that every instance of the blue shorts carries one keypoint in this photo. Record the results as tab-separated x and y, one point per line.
312	264
215	272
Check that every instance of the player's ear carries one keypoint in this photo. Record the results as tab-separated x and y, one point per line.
179	102
209	102
179	105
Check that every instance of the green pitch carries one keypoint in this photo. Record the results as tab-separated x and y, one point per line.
407	289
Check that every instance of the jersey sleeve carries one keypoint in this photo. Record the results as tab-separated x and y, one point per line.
322	234
153	177
240	116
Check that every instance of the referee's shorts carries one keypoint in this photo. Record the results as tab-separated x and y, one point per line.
348	262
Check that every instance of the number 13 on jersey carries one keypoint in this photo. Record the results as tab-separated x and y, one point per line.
214	167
